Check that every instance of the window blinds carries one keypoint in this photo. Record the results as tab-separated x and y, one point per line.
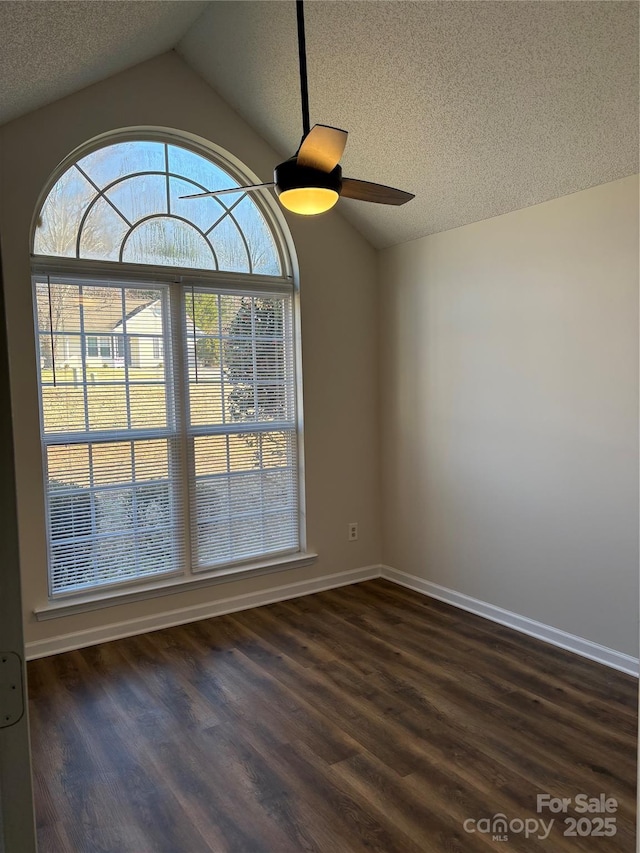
158	449
110	445
242	426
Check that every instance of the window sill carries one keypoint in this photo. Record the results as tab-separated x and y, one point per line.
141	592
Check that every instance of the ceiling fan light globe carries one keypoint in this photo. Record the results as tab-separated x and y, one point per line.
305	190
308	201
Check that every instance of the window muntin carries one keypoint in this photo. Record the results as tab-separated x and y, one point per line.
122	203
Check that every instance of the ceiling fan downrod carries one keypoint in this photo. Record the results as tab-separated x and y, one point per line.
302	57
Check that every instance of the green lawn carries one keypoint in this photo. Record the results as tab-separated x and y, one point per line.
106	408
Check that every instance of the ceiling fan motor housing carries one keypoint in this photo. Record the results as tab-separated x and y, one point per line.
291	176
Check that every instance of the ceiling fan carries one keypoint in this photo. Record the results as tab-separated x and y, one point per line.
311	181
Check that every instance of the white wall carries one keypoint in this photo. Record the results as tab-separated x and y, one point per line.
337	269
509	411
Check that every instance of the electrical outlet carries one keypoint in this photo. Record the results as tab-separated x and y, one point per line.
353	531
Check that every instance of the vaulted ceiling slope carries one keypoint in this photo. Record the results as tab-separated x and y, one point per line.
478	107
51	49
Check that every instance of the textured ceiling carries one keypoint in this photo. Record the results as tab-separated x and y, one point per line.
478	107
51	49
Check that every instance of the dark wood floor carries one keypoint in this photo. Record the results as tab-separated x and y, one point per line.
368	718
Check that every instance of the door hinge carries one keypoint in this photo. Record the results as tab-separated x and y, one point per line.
11	696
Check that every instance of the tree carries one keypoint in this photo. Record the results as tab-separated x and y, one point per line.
252	363
53	302
203	311
57	229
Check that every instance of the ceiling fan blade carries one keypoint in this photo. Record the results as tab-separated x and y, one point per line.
230	190
378	193
322	147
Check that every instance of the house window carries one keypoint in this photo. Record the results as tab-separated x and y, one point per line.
98	347
92	346
167	348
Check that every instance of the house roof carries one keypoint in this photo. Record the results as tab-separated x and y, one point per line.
59	307
144	306
134	311
478	108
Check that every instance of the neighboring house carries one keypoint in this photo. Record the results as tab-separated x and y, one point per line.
136	342
144	338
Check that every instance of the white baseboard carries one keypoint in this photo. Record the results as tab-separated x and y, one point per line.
554	636
130	627
118	630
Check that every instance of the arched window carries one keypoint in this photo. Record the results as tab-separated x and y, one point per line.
166	341
124	202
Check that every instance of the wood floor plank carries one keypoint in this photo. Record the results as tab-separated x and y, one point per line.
366	718
581	746
579	673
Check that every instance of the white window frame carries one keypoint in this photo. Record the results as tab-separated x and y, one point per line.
66	603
